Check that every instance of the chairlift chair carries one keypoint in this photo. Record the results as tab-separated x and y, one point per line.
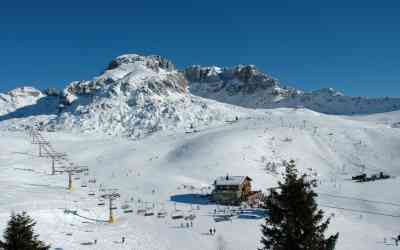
161	214
177	216
149	213
141	211
101	203
84	182
125	206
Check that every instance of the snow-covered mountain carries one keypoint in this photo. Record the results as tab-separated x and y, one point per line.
18	98
247	86
137	95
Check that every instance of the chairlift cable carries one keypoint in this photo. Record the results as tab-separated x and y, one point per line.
361	199
361	211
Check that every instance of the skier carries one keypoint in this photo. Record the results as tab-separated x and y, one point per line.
211	231
123	239
214	231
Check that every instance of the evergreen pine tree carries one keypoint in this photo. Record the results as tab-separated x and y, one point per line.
295	222
19	234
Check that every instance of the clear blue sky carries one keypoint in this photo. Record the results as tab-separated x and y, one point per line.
353	46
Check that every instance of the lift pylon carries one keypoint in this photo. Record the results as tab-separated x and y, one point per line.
74	170
111	196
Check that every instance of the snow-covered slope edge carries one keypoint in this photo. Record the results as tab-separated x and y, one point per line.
246	86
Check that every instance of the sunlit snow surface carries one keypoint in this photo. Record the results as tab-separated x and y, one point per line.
167	162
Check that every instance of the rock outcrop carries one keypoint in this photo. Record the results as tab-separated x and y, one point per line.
245	79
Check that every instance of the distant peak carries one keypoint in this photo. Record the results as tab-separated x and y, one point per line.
246	74
328	91
25	91
151	61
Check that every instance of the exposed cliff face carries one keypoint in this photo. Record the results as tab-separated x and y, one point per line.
248	87
240	79
242	85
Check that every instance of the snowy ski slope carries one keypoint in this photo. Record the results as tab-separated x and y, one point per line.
168	166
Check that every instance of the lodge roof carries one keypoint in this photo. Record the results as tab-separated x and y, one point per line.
230	180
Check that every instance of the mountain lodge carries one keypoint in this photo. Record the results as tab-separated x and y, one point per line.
231	190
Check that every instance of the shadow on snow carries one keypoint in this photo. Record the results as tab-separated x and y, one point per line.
196	199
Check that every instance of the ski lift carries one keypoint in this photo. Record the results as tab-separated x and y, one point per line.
141	211
149	205
125	206
84	182
92	180
162	214
128	211
101	203
190	217
220	218
91	193
177	216
149	213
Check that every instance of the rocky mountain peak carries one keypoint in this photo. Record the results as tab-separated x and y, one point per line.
131	74
327	92
244	79
154	62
